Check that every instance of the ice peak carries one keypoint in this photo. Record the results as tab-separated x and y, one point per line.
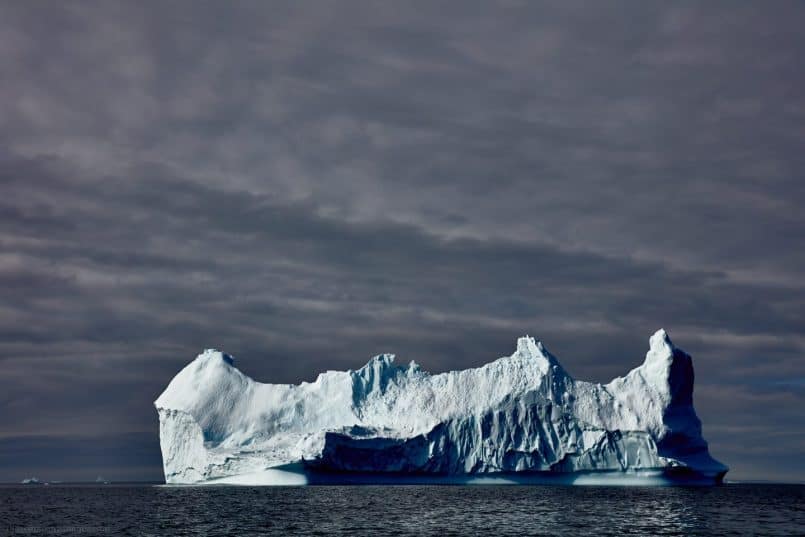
670	369
529	346
660	344
375	375
661	336
382	360
379	367
215	354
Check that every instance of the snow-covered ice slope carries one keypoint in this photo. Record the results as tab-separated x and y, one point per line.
520	418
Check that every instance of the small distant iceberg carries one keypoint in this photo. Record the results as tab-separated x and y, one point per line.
31	481
518	419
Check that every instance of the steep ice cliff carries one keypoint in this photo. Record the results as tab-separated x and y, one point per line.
519	418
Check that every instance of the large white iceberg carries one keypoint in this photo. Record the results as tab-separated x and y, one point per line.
521	418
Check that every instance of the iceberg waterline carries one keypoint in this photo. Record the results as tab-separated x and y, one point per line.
520	418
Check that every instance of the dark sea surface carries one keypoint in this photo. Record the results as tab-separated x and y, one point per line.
733	509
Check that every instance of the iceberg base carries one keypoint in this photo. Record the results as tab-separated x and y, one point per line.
299	474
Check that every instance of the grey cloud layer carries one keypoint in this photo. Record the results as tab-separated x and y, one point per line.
306	187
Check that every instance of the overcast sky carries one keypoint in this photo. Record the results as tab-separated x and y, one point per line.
306	185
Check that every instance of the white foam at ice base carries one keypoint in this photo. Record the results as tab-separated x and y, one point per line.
297	476
519	414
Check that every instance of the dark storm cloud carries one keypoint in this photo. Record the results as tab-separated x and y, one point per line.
305	187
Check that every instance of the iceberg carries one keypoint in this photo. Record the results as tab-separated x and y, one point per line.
519	419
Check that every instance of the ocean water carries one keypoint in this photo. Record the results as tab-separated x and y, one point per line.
733	509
